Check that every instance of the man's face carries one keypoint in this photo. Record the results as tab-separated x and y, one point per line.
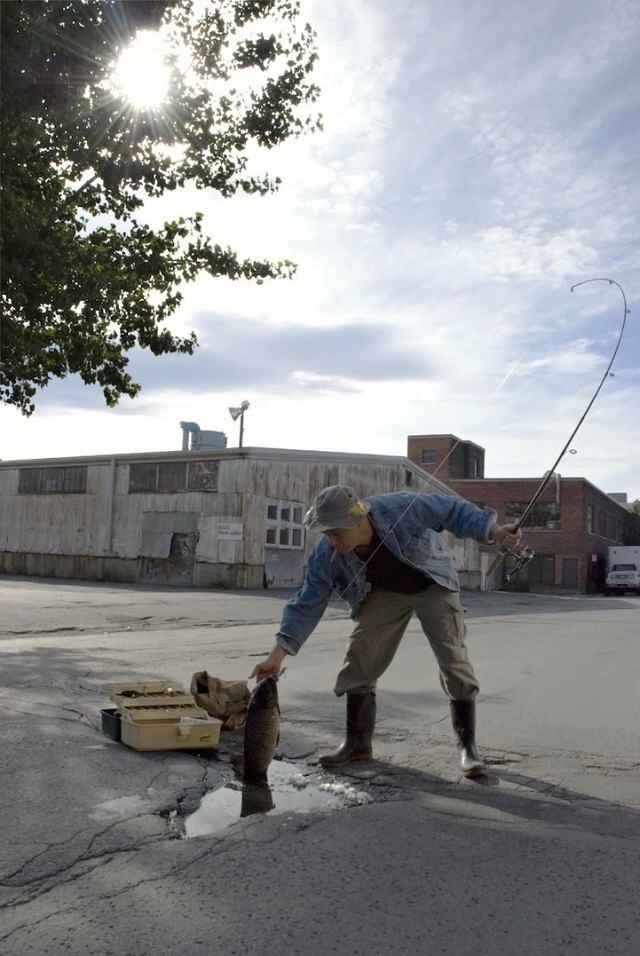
344	540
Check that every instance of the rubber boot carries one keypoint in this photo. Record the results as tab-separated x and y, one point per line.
361	719
463	716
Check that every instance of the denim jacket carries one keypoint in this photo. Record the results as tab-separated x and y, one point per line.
409	525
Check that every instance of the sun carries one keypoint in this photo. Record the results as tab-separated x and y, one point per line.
142	73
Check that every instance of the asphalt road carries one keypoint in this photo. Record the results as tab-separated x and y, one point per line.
541	858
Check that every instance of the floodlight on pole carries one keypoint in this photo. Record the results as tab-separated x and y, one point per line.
238	412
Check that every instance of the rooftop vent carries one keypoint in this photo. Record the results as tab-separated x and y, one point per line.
195	439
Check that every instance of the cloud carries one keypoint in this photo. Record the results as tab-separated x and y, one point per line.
241	353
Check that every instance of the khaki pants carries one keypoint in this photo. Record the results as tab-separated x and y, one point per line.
381	622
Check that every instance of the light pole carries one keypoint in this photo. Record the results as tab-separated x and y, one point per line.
239	413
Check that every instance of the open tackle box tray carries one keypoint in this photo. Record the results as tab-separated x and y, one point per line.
158	715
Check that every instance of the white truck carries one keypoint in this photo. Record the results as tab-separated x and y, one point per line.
623	569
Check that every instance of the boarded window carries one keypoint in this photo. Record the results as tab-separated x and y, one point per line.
203	475
143	477
70	480
172	476
611	527
591	519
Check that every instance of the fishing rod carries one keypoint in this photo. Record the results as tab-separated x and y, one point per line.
524	555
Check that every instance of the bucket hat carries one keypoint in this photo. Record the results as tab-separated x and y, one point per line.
335	508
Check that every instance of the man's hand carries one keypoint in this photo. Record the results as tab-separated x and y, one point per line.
270	666
509	535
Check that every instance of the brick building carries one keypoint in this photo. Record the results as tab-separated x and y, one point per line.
570	528
449	456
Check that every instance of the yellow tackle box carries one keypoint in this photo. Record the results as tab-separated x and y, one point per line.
161	715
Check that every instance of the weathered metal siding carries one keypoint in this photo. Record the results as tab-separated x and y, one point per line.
9	478
111	534
76	566
53	524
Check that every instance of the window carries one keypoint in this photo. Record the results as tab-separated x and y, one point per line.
428	456
284	525
544	516
66	480
168	477
476	468
591	520
602	524
611	527
408	478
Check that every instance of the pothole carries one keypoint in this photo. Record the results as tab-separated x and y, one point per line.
290	790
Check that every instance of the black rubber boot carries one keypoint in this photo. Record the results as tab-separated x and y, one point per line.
463	716
361	720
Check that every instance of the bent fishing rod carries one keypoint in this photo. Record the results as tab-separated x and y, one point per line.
524	555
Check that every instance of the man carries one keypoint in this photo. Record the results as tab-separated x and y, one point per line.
385	557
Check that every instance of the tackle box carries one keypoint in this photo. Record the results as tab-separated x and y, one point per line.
160	715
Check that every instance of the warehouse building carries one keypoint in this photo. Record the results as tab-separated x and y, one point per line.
222	517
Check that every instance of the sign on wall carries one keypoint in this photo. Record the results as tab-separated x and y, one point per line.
230	531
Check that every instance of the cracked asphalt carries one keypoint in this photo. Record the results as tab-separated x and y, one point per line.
541	858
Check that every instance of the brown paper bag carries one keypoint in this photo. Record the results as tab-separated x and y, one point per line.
227	700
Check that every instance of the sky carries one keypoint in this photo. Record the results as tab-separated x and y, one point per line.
477	160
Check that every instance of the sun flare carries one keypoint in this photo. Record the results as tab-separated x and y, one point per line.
142	72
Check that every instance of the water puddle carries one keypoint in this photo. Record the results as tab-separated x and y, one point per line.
289	791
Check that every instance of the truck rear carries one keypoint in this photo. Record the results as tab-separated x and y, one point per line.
623	570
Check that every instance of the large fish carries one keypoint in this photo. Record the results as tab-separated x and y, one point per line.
262	730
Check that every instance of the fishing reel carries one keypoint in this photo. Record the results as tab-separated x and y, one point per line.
521	557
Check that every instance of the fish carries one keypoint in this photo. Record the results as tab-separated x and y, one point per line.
262	731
